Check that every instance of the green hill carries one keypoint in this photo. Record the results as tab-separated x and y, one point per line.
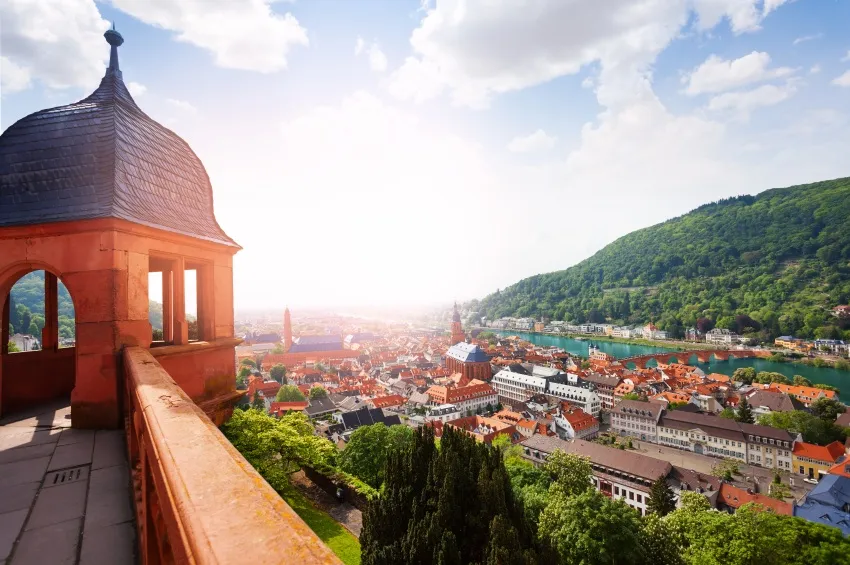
26	314
771	264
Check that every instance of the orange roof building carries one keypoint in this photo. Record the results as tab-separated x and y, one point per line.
805	394
733	497
392	401
471	397
279	409
815	460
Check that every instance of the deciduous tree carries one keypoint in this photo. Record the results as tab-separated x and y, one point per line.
278	373
289	393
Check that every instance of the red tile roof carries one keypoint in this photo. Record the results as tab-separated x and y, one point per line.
735	497
387	401
280	408
829	453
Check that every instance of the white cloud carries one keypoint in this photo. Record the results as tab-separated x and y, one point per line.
805	38
846	57
815	69
771	5
58	43
741	103
474	49
377	58
136	89
12	77
718	75
533	142
242	34
843	80
182	105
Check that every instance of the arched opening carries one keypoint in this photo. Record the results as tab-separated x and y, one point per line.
38	343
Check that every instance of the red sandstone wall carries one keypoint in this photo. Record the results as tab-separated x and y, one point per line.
36	377
203	375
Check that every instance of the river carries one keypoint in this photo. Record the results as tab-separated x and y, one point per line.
833	377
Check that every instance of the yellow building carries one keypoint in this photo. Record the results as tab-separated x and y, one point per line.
815	460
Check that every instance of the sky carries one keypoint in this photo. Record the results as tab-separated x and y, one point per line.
406	152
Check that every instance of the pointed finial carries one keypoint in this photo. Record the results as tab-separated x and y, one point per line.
114	39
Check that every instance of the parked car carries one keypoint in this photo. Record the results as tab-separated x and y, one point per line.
810	480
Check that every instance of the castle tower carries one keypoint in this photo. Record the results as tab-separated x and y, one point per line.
287	330
457	328
98	195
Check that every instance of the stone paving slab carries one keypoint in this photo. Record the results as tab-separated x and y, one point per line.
55	544
10	525
108	545
25	471
17	497
45	523
58	504
71	435
107	508
72	455
26	452
11	438
109	449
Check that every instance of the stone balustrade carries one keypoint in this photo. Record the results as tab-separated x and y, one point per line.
197	499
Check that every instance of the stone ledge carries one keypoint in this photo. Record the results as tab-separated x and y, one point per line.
223	510
194	347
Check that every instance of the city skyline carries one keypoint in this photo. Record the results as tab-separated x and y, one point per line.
431	136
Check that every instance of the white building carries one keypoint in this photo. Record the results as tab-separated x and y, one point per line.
24	342
721	336
443	413
636	419
517	386
624	332
583	397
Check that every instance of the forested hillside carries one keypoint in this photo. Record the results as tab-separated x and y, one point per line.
765	265
26	313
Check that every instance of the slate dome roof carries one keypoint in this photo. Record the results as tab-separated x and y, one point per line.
103	157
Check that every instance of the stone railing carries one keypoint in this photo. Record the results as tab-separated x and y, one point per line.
198	501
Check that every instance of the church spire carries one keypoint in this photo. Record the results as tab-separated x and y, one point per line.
287	330
114	39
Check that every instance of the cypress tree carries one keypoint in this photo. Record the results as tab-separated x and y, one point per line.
745	412
661	498
450	506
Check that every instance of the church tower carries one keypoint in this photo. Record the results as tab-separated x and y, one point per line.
457	329
287	330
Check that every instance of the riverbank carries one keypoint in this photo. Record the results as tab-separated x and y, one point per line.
614	347
672	345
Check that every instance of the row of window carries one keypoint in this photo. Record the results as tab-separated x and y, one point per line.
771	441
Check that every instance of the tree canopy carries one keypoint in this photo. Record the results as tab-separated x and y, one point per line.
366	453
451	505
289	393
278	373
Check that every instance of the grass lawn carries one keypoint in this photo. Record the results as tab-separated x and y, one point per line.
340	540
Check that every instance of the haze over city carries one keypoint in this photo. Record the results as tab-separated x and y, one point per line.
395	153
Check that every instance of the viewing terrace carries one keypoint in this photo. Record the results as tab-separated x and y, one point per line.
109	449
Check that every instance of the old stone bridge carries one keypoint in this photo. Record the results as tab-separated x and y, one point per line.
703	356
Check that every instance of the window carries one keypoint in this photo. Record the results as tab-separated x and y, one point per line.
631	495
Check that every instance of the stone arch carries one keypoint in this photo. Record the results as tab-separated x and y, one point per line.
50	373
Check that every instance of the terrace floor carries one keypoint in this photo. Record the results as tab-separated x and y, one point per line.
65	495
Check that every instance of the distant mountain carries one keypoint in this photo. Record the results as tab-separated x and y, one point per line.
771	264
